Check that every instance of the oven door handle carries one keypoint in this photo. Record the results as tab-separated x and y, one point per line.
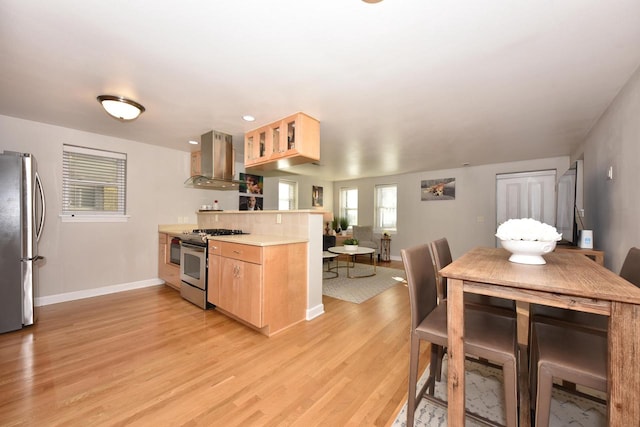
194	247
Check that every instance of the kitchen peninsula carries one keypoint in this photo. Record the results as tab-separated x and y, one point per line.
277	254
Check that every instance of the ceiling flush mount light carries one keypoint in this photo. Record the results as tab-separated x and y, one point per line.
192	142
121	108
372	1
248	118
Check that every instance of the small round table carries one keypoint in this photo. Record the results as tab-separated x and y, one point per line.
329	256
340	250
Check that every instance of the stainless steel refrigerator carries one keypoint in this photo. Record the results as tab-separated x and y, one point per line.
22	212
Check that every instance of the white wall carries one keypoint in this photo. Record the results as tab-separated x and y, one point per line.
612	207
84	256
305	188
467	222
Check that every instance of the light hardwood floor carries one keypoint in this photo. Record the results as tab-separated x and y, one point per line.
147	357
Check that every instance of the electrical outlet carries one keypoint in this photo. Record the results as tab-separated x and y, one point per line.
610	173
278	218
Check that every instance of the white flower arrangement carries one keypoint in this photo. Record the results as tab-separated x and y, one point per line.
527	229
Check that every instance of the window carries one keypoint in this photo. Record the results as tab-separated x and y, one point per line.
386	208
93	184
349	205
287	195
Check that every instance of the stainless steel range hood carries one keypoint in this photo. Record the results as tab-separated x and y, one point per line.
217	163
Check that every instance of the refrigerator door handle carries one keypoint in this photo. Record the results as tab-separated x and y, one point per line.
34	259
44	207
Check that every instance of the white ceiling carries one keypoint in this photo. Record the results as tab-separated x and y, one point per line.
398	86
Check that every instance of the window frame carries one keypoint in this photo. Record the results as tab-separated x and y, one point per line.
346	211
293	200
93	215
378	227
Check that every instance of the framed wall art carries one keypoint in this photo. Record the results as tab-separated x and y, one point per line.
316	196
252	184
438	189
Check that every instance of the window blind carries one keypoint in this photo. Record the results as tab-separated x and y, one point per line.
386	207
93	181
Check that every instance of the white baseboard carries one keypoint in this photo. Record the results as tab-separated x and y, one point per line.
314	312
88	293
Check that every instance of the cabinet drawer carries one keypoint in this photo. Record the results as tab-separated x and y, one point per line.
242	252
215	247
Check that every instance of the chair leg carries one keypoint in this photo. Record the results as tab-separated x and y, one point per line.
510	375
437	368
414	359
543	399
433	366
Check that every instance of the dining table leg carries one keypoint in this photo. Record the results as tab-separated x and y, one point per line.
624	374
455	352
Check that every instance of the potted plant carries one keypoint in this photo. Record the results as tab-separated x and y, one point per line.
350	244
335	224
344	224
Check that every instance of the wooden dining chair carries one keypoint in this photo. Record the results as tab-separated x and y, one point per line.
487	335
570	351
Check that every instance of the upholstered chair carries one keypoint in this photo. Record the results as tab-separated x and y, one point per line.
366	238
571	351
487	335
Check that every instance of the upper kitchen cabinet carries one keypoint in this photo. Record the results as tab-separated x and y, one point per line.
196	159
291	141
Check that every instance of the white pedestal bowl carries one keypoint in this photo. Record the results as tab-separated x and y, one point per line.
528	251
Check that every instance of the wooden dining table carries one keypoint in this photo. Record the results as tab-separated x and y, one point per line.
567	280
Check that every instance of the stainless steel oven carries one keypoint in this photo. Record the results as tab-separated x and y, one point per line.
193	273
193	263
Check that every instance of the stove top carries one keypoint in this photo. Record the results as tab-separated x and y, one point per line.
199	235
217	231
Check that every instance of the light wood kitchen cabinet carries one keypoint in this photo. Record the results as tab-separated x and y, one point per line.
167	271
214	272
196	163
291	141
262	286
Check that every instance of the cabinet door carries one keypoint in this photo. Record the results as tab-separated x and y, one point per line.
241	290
196	163
214	273
213	289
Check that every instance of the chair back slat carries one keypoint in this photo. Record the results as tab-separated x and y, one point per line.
421	281
441	258
631	267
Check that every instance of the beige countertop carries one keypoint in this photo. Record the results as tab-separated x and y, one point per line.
259	239
176	228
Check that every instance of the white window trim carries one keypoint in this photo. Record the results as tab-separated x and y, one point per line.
343	209
92	216
377	229
293	184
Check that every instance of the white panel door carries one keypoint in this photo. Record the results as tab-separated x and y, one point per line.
526	195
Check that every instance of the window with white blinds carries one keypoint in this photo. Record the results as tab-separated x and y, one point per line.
287	195
386	201
93	182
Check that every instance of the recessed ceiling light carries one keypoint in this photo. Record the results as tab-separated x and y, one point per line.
372	1
121	108
192	142
248	118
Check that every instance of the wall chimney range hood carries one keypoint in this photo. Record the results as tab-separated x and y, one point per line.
217	163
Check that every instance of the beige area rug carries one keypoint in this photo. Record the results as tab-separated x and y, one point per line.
485	397
359	290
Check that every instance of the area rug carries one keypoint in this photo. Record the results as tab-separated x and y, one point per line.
359	290
485	396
